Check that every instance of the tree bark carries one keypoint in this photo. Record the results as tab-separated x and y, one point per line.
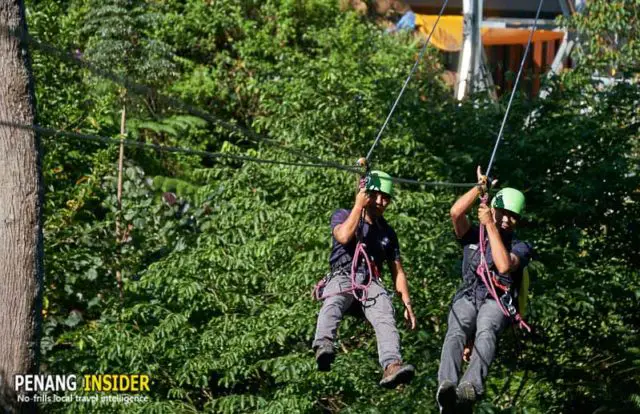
21	203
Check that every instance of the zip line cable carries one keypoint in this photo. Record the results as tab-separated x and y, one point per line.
172	149
50	132
406	82
143	90
431	183
515	87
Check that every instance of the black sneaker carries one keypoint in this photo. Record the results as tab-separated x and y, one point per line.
324	357
446	397
466	398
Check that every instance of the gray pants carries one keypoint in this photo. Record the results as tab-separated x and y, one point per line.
377	309
464	317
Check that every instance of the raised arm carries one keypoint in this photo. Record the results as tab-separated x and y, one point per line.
346	231
501	258
459	211
463	205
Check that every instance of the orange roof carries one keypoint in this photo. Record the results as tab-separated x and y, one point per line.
448	33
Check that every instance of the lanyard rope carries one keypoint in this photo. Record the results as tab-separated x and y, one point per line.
515	87
485	274
406	82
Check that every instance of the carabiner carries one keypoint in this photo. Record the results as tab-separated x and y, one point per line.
507	302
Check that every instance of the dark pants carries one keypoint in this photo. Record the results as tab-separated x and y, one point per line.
487	320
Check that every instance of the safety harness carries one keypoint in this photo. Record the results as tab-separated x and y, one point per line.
360	257
490	280
358	290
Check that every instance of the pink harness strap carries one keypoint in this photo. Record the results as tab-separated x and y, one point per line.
485	275
355	286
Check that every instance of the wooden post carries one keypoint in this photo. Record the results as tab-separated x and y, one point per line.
537	68
500	68
514	62
551	53
119	237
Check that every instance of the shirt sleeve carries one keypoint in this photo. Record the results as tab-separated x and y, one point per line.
524	251
339	216
472	236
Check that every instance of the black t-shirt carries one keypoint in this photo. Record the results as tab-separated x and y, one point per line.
380	239
472	285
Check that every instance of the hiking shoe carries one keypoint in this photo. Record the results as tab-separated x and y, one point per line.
446	397
466	394
397	373
324	357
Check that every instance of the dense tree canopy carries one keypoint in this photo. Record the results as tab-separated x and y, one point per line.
220	255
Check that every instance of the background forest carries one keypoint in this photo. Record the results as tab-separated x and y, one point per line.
218	256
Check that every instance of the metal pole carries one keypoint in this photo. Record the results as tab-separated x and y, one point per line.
464	60
471	51
477	81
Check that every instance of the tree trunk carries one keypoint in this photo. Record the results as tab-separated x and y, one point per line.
21	202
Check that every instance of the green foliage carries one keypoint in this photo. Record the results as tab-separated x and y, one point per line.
217	277
118	40
609	33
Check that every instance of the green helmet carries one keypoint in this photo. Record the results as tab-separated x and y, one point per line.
380	181
509	199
